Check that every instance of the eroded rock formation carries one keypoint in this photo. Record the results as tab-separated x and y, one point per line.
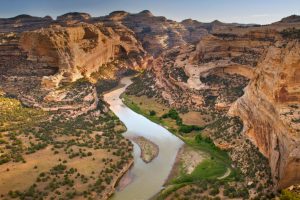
270	110
79	51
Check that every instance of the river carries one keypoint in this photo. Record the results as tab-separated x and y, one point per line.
147	179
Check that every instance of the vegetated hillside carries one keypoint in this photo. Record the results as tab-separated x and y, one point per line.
58	69
53	117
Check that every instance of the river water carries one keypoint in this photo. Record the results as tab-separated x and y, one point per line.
147	179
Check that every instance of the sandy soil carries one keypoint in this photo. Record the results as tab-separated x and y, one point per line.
186	161
20	176
149	150
195	118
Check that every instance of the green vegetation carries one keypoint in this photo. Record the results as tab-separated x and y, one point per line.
14	115
289	195
152	113
208	169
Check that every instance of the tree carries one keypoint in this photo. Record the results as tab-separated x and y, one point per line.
152	113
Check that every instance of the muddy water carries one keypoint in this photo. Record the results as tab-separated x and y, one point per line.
145	179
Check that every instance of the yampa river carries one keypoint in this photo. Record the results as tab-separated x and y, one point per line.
147	179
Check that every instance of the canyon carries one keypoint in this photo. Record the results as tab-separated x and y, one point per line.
248	75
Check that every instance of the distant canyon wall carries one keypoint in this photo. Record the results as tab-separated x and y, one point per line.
80	51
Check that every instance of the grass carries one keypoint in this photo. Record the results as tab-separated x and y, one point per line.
289	195
13	114
136	108
207	169
168	190
209	148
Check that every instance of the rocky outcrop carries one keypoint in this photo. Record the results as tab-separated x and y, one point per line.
270	110
180	72
158	33
73	17
79	51
291	19
23	23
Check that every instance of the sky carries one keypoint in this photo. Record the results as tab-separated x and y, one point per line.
241	11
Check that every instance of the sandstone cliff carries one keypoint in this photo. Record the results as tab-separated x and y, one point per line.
79	51
158	33
37	57
270	110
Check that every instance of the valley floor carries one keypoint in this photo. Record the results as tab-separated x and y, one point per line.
209	172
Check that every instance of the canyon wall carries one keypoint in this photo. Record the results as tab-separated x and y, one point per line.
270	110
79	51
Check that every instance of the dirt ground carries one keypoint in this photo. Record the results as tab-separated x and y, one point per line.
149	150
20	176
195	118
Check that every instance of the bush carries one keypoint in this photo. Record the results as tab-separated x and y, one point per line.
187	129
214	191
288	195
198	138
173	114
152	113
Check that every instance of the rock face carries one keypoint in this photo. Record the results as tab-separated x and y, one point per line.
291	19
180	73
270	110
37	55
23	23
158	33
79	51
74	16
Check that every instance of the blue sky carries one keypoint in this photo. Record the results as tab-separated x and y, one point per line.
243	11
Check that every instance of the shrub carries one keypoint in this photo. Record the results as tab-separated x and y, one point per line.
173	114
187	128
289	195
198	138
152	113
214	191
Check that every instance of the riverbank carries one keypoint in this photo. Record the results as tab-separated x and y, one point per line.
187	160
117	179
149	150
216	162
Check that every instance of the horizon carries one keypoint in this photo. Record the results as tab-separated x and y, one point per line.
227	11
55	17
